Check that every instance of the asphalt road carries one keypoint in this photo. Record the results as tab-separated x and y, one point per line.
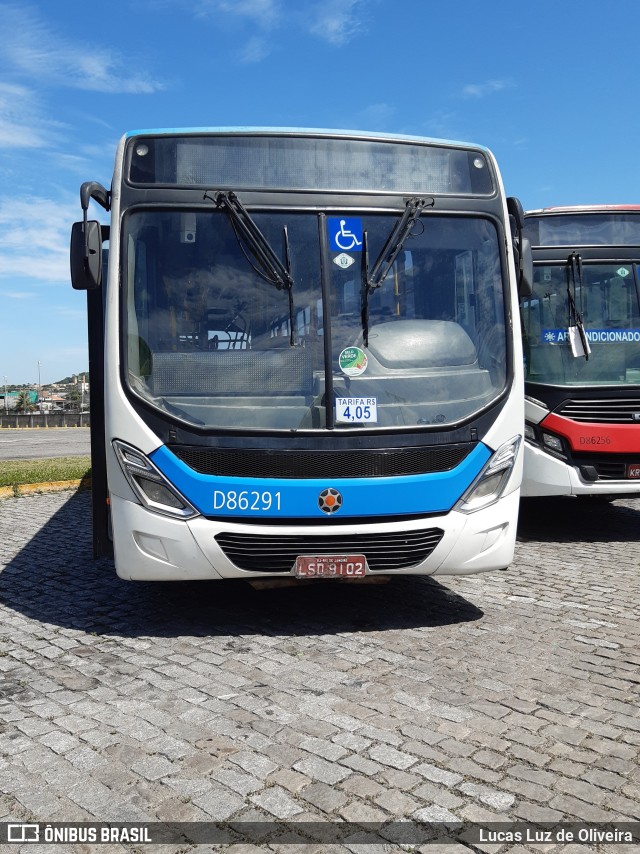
34	443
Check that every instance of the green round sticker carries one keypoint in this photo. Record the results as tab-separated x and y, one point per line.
353	361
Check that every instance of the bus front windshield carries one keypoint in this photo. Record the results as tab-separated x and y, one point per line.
607	300
212	339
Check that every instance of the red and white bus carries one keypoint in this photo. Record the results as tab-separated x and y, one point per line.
581	336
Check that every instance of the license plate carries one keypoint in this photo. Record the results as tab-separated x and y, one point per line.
633	471
330	566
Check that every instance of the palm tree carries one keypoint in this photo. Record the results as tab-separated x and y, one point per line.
24	403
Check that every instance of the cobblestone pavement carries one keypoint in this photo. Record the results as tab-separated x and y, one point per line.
503	697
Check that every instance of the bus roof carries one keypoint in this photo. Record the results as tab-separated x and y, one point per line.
584	225
583	209
297	131
308	160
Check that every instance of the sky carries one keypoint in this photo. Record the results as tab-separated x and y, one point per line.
552	88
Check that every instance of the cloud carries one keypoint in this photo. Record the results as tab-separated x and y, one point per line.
255	50
34	239
73	313
376	117
481	90
443	124
21	123
264	13
336	21
86	158
18	294
39	52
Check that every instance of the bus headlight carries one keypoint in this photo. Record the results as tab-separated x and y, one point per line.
150	486
553	443
489	485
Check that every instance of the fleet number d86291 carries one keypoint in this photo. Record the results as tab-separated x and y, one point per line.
246	500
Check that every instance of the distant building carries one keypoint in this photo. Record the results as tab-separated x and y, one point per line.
12	399
52	403
80	382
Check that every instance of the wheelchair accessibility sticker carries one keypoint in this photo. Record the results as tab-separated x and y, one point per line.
345	234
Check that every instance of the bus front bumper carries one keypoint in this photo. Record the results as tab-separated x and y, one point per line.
545	475
150	547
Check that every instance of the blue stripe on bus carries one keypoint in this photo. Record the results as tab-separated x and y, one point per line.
256	498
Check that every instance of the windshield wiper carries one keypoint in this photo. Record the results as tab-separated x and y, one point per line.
374	277
246	230
578	340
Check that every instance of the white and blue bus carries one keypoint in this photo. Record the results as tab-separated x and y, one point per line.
581	328
311	355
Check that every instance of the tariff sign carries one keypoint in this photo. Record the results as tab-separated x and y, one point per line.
357	410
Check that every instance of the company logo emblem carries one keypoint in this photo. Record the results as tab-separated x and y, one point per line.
23	833
330	500
635	417
344	261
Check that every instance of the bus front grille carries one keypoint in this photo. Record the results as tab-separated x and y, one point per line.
358	462
609	466
384	551
602	410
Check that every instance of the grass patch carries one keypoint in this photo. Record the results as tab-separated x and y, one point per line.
17	472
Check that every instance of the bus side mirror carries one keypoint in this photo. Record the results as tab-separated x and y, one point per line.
525	281
515	210
522	254
86	255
